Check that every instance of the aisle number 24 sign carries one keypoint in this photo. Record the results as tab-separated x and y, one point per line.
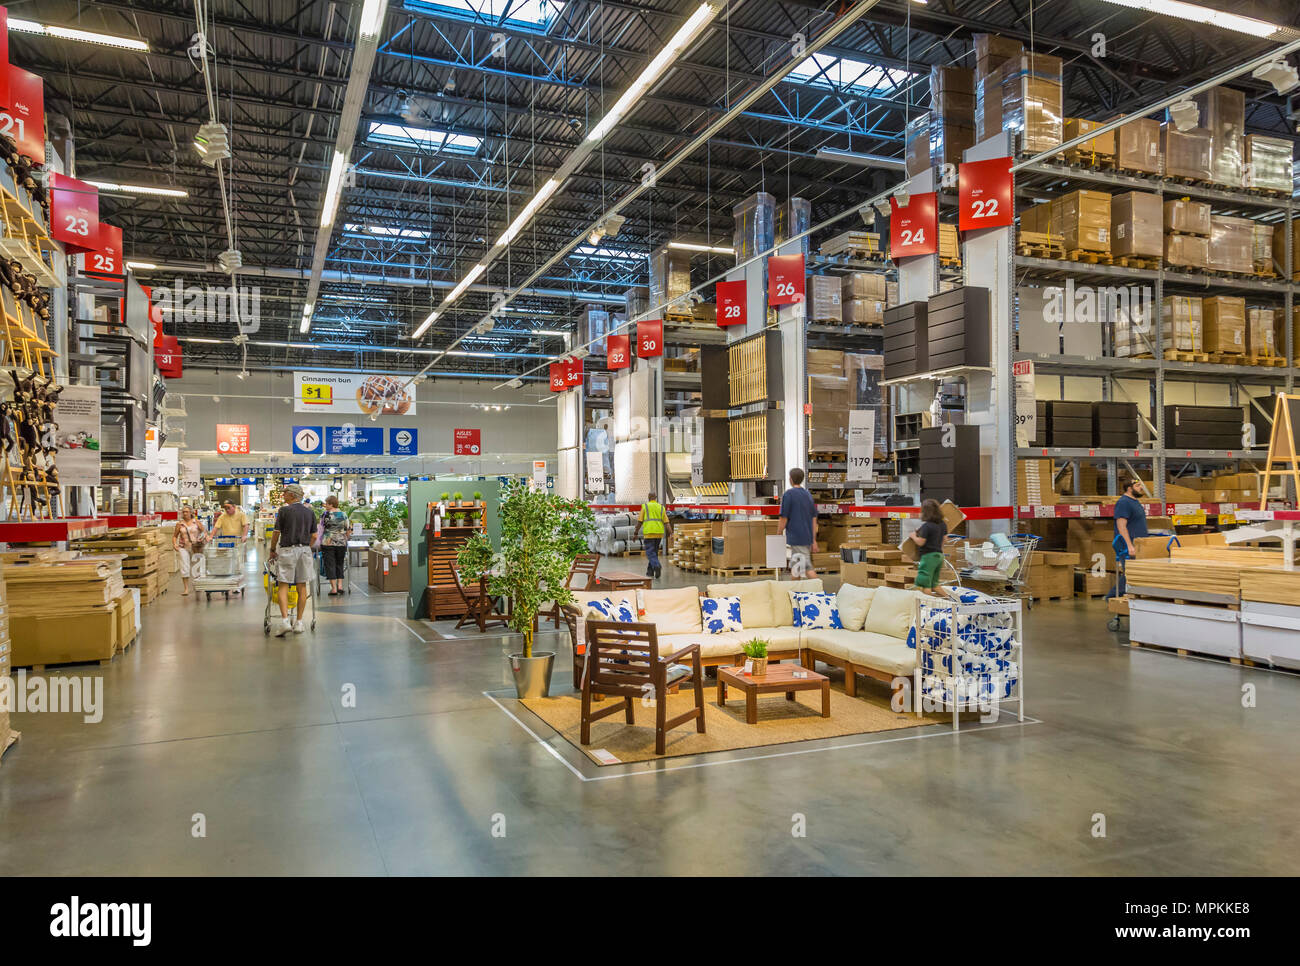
914	227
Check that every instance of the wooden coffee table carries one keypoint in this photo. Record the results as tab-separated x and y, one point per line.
624	581
779	677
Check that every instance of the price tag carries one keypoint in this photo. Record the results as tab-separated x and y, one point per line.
731	298
914	229
984	194
1227	519
649	338
317	395
1186	509
1044	513
1089	510
862	445
785	280
1190	519
619	352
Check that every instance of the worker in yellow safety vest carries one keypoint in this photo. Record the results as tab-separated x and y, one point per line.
653	527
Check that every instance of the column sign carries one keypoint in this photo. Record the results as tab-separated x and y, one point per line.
572	373
1026	402
984	194
467	442
619	349
106	256
862	445
649	338
557	377
785	280
4	60
731	303
74	213
232	439
23	118
914	228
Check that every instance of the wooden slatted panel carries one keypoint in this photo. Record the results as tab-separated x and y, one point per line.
749	447
747	363
1271	586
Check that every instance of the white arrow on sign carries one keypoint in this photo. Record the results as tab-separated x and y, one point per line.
307	439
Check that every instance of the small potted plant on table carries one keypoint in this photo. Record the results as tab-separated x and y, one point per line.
756	651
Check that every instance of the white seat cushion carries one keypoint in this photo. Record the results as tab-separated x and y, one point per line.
675	611
782	605
853	602
891	612
583	599
755	600
778	638
877	651
725	644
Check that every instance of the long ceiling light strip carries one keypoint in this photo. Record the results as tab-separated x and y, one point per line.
72	33
138	189
684	36
369	26
1199	14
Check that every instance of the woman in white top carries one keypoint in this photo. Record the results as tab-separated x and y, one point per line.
189	540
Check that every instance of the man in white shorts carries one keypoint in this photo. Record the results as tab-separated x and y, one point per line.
291	554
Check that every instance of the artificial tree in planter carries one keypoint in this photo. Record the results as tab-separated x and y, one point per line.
541	534
388	519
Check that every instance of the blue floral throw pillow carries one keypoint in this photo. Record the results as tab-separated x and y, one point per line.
816	612
720	614
607	610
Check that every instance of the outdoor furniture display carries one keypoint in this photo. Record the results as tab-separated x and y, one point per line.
479	605
445	540
779	678
623	660
585	564
623	581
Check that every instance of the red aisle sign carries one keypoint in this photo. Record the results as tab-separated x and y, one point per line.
106	257
572	373
650	338
914	229
4	57
232	439
74	213
167	353
557	377
984	194
619	349
467	442
785	279
23	119
731	303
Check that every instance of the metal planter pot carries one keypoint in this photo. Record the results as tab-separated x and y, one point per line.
533	674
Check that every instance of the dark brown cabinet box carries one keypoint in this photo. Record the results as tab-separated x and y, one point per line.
398	577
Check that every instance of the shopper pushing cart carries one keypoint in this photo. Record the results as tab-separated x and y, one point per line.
332	537
291	555
1130	525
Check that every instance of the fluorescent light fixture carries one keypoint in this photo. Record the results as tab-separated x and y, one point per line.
522	219
372	19
549	332
465	283
141	266
430	139
606	254
866	160
386	231
428	321
686	33
306	316
71	33
138	189
694	247
1198	14
332	188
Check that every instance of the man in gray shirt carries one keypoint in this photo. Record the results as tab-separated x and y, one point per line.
291	555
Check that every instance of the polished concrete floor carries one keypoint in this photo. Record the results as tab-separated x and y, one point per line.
431	772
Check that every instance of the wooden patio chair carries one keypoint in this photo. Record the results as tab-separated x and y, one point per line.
479	606
584	563
623	660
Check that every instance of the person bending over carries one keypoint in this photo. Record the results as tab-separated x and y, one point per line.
929	537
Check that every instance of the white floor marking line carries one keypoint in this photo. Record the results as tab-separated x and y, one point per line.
558	757
355	587
736	761
411	630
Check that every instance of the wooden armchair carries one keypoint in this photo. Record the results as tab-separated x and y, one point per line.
623	660
479	606
584	563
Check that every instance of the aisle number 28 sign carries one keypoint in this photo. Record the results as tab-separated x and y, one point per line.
984	194
731	303
914	227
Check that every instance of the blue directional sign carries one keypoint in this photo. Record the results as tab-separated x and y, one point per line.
403	441
354	441
308	439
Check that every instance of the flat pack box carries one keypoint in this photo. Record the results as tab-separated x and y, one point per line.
1034	478
1186	217
1187	153
753	226
1091	541
1279	250
1268	163
1181	323
1051	575
1082	220
389	575
863	285
670	275
1261	332
1232	245
856	574
1188	627
992	51
825	362
1090	151
1151	548
1224	323
864	312
1137	145
1136	221
1270	633
126	617
949	140
88	636
1187	251
824	303
1262	253
1031	101
1223	114
732	545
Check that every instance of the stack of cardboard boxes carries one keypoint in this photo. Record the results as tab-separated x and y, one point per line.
1186	153
740	544
1223	114
829	400
1031	101
1181	323
1187	234
1034	482
991	52
1094	152
794	218
1261	332
1051	575
1224	324
1268	164
1137	146
1082	220
692	546
952	113
1136	223
862	297
670	277
824	302
754	228
64	608
1232	245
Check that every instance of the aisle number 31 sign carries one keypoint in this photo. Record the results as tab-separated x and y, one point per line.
984	194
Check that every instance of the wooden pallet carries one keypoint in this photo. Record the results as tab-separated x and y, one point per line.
1134	261
7	742
1090	159
1185	652
1180	355
1136	173
1275	361
743	571
41	668
950	263
1089	258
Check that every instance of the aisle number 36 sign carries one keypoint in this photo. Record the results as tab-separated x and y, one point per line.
984	194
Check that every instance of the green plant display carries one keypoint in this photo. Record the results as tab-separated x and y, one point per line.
445	496
478	496
755	648
458	496
388	519
541	534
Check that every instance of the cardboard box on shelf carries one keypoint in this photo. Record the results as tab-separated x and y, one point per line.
916	144
1224	324
1034	482
1187	153
1092	150
670	275
1082	220
988	103
1091	540
1187	251
824	299
732	544
1181	323
85	636
1187	217
1261	338
825	362
1232	245
1262	255
863	285
826	563
1268	163
864	312
992	51
753	226
1051	575
1031	101
949	241
1223	114
1136	221
1138	146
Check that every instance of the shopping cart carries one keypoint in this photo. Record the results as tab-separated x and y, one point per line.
223	568
1002	564
271	583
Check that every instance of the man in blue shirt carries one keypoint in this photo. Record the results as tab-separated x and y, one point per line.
1130	524
799	524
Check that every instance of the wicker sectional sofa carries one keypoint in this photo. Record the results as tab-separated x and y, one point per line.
873	640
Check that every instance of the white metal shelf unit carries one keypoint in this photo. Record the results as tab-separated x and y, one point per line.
1052	179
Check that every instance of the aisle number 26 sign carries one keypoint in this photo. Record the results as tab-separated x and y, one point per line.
914	227
785	280
984	194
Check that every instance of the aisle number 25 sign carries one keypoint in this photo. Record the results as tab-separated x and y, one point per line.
914	227
984	194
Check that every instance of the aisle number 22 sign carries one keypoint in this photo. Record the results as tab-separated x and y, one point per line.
984	194
914	227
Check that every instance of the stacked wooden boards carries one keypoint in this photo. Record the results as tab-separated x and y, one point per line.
65	608
1173	579
141	551
1271	586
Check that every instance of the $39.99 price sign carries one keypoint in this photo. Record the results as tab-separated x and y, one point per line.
984	194
914	228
